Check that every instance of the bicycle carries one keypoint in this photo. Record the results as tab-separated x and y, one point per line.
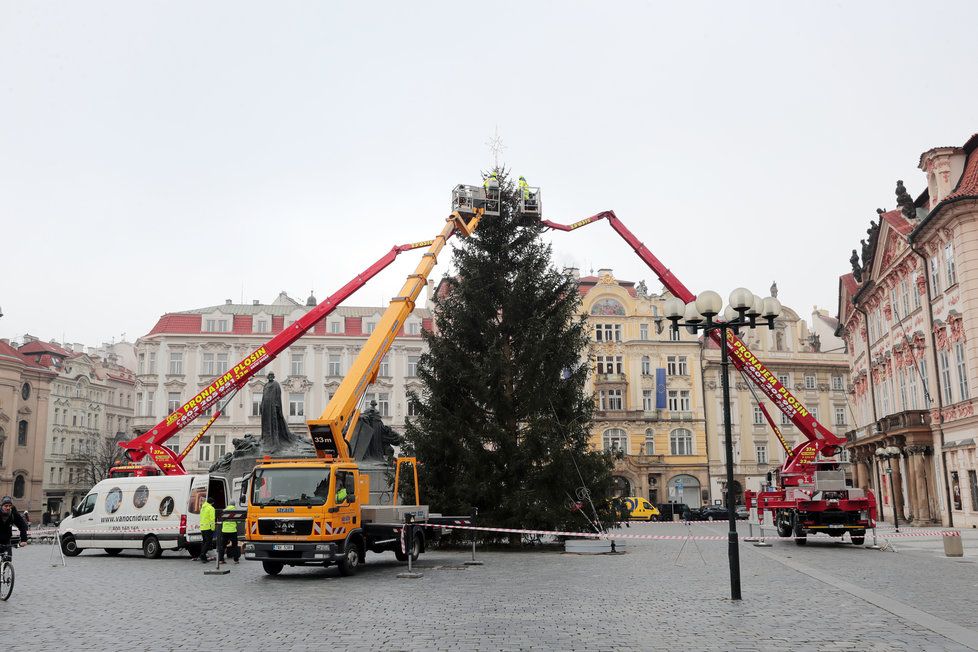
6	572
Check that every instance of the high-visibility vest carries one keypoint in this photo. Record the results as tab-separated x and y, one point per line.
341	495
207	516
525	188
491	177
229	526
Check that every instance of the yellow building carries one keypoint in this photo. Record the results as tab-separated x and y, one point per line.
647	392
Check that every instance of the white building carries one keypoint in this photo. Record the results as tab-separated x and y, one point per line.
186	350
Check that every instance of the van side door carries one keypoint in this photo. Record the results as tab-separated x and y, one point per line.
86	518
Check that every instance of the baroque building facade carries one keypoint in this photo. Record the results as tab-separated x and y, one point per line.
90	408
25	391
185	351
810	361
647	390
906	313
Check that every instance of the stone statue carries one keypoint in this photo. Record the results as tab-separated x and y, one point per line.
865	250
816	342
274	430
774	289
642	289
373	440
247	446
857	271
905	202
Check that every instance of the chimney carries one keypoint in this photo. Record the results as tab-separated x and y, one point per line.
227	302
29	338
254	302
4	340
605	270
78	348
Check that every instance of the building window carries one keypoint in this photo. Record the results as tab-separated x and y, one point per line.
912	388
758	416
647	400
368	327
176	363
973	483
385	367
944	362
412	365
649	442
761	451
297	405
962	371
903	388
913	288
955	490
262	326
837	383
384	404
217	326
905	295
610	364
676	365
785	420
674	335
336	327
615	440
298	363
172	402
152	362
204	449
679	400
607	332
935	274
785	379
610	399
643	331
20	486
140	366
412	408
814	412
681	441
952	276
413	328
334	368
840	415
646	365
22	432
809	381
220	446
256	405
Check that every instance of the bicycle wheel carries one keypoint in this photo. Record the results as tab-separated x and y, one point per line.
6	579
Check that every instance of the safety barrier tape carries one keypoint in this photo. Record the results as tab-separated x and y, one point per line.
658	537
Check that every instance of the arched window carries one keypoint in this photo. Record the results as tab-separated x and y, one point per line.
649	442
22	433
685	489
20	486
681	441
615	440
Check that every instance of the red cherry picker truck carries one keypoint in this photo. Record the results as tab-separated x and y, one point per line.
809	492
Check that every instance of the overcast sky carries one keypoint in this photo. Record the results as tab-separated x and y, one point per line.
163	156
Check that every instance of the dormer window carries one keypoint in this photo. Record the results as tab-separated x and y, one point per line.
221	325
262	325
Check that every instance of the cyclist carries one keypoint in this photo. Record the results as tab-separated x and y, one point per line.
9	517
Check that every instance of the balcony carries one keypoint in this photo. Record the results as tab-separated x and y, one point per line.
678	415
634	415
610	378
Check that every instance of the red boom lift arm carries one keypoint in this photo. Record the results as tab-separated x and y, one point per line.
819	439
151	442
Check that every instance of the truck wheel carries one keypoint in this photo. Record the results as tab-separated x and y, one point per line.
69	546
415	549
800	537
151	548
272	567
858	540
784	528
350	561
112	552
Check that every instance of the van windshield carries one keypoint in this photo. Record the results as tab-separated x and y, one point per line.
290	487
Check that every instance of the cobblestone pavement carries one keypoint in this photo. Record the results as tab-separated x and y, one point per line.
659	595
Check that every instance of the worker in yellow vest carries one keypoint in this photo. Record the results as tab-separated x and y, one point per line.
207	523
229	534
524	188
491	178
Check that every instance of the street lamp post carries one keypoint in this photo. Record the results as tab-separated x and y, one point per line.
888	453
744	311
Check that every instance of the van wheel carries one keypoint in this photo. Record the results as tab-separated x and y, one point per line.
272	567
113	551
350	561
858	540
651	518
151	548
69	546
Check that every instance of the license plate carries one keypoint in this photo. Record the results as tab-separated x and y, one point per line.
193	538
283	546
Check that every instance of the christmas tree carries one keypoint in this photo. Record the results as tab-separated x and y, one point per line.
504	422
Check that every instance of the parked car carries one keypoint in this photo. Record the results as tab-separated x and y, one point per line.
711	513
742	513
666	510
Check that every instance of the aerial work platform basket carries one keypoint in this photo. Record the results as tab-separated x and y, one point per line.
466	199
530	207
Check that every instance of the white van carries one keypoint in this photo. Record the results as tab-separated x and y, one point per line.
153	513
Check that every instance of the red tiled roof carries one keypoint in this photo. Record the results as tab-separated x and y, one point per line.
849	283
8	351
968	184
896	220
177	323
585	283
37	346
